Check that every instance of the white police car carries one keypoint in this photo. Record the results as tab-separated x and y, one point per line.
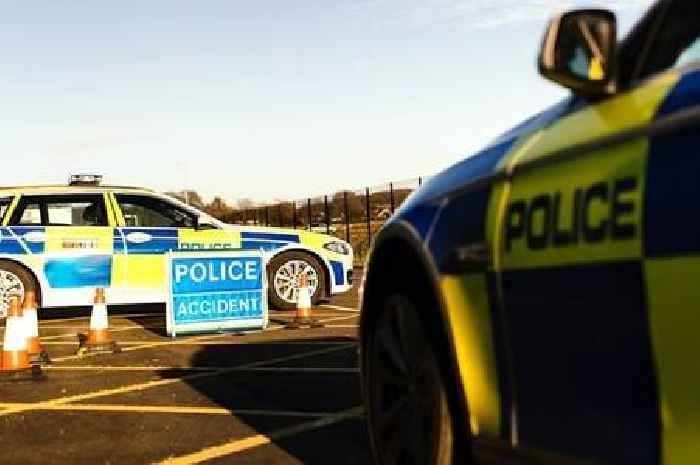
61	241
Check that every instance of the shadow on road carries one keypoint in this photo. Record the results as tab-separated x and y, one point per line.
311	377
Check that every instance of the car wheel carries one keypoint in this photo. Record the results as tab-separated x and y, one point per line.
284	273
15	280
408	414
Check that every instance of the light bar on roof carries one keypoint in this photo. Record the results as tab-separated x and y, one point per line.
85	180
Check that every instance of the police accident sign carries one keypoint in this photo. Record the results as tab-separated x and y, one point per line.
216	291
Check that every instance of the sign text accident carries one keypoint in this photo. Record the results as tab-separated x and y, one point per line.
216	291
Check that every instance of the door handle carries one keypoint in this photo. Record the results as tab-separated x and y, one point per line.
138	237
470	258
34	236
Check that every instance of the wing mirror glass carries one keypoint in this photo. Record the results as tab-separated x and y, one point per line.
578	52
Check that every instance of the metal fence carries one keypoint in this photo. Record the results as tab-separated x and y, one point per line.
352	215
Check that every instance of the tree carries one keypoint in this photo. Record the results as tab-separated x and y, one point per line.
218	209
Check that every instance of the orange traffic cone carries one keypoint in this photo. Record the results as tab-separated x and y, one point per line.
98	338
303	313
15	359
31	325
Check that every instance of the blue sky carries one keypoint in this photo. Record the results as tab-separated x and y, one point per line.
266	99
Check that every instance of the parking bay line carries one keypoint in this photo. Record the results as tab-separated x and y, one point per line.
168	409
242	342
341	308
165	382
150	345
202	368
114	315
240	445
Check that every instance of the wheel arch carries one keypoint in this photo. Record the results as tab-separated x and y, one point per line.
34	275
400	245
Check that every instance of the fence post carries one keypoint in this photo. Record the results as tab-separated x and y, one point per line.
308	211
347	216
294	215
326	214
420	181
267	215
369	216
391	196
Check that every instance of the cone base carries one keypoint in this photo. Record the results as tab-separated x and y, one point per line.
32	373
105	348
298	323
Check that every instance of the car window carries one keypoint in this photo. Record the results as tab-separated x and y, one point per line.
4	205
60	210
145	211
30	214
76	212
677	42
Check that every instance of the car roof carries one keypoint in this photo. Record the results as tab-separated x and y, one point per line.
67	189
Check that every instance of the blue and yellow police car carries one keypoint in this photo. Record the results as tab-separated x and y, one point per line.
63	241
538	302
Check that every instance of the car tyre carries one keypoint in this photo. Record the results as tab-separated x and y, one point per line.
283	274
408	414
15	280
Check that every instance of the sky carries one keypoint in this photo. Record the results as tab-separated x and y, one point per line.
266	99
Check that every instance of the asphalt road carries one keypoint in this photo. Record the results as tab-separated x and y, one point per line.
274	397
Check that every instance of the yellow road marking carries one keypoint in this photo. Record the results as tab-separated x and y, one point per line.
239	445
86	327
73	334
150	345
213	368
341	308
44	319
164	382
171	409
216	343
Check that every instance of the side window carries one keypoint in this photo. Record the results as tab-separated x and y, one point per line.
4	205
76	211
60	210
27	213
677	42
145	211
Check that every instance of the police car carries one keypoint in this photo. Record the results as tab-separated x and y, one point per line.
63	241
539	302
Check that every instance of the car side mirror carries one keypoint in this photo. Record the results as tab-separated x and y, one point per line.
202	226
579	50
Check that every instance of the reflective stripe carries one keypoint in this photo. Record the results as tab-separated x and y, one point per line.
110	210
15	337
470	319
154	241
673	295
275	237
98	317
10	210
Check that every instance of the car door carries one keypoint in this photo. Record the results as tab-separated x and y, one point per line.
596	206
68	237
150	227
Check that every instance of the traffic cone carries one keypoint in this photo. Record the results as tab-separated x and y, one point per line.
31	324
15	359
98	338
303	313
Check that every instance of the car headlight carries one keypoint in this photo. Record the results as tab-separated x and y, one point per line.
337	247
